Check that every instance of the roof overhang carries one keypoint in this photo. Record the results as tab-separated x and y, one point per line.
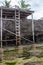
23	12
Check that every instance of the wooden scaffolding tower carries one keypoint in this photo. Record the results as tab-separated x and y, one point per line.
16	14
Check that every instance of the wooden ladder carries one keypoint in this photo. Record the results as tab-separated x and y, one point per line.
17	27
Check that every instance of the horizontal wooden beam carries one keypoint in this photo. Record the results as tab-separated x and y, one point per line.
7	40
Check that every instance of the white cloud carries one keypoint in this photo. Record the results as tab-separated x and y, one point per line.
37	6
14	2
38	14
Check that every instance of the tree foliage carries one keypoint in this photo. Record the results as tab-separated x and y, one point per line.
6	3
23	4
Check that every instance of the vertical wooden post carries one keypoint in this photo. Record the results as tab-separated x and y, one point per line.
1	37
33	46
1	27
33	28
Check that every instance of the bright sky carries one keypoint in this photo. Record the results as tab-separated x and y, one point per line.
36	5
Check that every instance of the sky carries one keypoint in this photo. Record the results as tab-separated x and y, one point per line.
36	6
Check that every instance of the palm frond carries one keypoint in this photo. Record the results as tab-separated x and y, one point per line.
23	4
6	3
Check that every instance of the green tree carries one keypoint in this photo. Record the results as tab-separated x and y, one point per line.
6	3
23	4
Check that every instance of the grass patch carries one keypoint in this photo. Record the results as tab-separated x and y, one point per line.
8	52
26	58
12	63
40	47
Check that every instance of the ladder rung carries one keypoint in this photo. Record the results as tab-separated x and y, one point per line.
17	12
17	29
17	35
17	18
18	40
17	15
17	23
17	26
